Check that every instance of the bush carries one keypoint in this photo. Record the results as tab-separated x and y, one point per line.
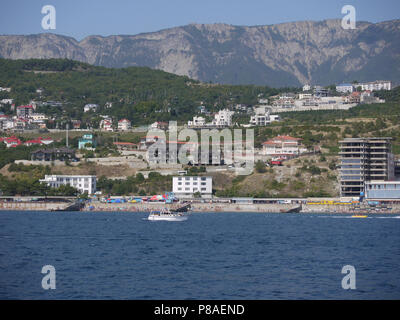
260	167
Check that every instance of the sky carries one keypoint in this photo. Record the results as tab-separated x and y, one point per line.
82	18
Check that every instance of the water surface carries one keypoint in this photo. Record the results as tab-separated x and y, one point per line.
120	255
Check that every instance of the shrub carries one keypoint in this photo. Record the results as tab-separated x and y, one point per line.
260	167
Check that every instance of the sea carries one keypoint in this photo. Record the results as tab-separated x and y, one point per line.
246	256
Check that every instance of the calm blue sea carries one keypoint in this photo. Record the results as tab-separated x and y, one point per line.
119	255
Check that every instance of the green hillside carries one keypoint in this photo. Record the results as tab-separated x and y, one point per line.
139	94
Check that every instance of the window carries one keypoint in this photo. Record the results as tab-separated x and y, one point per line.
203	189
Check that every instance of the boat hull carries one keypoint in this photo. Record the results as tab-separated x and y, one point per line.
167	217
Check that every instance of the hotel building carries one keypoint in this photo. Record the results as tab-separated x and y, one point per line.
81	183
187	186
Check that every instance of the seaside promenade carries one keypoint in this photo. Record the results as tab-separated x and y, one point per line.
97	206
233	207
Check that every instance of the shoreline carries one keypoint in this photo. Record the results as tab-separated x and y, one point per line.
202	207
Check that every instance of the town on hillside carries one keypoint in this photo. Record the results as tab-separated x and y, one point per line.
294	160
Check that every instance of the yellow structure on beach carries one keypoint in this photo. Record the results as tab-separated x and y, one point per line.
328	202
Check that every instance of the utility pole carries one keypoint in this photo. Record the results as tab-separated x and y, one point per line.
67	134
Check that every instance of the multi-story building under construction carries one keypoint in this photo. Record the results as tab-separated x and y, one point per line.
362	160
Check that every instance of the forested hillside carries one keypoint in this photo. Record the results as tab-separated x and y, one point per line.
139	94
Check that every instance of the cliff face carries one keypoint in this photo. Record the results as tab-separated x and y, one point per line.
277	55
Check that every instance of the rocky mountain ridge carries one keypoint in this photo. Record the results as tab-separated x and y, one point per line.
287	54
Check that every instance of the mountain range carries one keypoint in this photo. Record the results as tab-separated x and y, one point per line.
287	54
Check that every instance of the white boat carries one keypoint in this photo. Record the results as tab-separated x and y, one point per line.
166	215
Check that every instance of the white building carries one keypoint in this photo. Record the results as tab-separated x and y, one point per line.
8	124
283	146
345	88
81	183
38	117
186	187
274	117
223	118
106	125
197	122
90	107
7	101
379	189
124	125
306	87
162	125
262	116
303	96
375	85
24	112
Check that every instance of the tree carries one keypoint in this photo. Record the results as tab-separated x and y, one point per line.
197	194
260	167
139	177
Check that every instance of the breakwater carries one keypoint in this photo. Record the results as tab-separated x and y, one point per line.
32	206
200	207
195	207
234	207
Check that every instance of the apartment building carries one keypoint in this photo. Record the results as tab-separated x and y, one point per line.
363	160
223	118
345	88
24	112
81	183
187	186
376	85
262	116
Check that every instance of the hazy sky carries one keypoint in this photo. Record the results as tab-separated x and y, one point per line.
104	17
